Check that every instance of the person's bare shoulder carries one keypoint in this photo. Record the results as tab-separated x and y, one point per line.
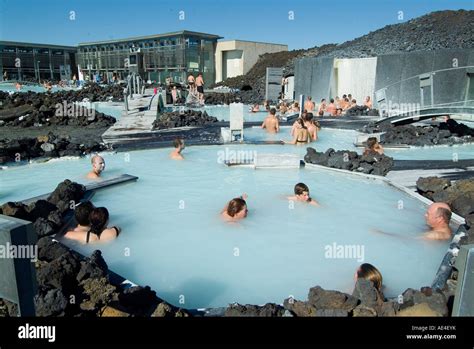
92	175
108	234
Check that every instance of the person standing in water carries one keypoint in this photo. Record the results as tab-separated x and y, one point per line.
271	123
178	148
200	88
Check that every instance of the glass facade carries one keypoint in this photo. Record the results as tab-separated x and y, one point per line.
168	55
23	61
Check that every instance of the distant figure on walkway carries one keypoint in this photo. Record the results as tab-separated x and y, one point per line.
271	123
81	214
438	217
98	231
174	94
178	148
98	166
236	209
302	195
309	105
373	147
200	87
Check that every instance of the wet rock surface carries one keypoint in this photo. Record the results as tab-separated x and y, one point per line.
48	146
422	135
458	195
375	164
182	119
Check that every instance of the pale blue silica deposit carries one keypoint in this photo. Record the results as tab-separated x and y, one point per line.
174	240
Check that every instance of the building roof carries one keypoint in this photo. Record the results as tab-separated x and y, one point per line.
30	44
150	37
255	42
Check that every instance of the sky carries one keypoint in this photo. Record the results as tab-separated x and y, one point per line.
297	23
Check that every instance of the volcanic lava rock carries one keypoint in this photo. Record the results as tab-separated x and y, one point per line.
181	119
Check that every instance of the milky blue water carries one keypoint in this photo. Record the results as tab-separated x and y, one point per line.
174	240
10	87
222	112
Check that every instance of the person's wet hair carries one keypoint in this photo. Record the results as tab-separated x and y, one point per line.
300	188
235	206
273	111
332	100
445	214
177	142
82	212
98	220
369	272
371	142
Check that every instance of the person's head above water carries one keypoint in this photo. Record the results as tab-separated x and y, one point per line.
369	272
98	164
371	142
99	217
273	111
438	215
237	208
178	143
302	192
82	212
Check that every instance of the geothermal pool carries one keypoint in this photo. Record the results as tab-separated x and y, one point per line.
10	87
174	240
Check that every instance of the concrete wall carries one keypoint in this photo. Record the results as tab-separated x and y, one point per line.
398	76
230	50
313	77
355	76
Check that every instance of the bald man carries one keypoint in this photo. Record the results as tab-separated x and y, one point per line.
438	217
98	165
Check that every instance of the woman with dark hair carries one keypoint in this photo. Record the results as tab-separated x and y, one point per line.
98	218
236	209
301	133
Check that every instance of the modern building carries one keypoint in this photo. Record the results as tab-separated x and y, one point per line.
27	61
155	57
237	57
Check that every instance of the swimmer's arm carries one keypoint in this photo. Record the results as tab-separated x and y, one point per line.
295	137
263	124
277	126
314	203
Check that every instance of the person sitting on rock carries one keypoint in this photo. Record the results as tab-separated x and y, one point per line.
369	272
178	148
81	214
373	147
438	216
301	134
236	209
98	231
98	166
271	123
302	195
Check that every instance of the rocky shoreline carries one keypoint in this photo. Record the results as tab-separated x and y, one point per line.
348	160
181	119
422	135
69	284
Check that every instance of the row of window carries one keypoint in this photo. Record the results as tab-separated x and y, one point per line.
32	50
145	45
